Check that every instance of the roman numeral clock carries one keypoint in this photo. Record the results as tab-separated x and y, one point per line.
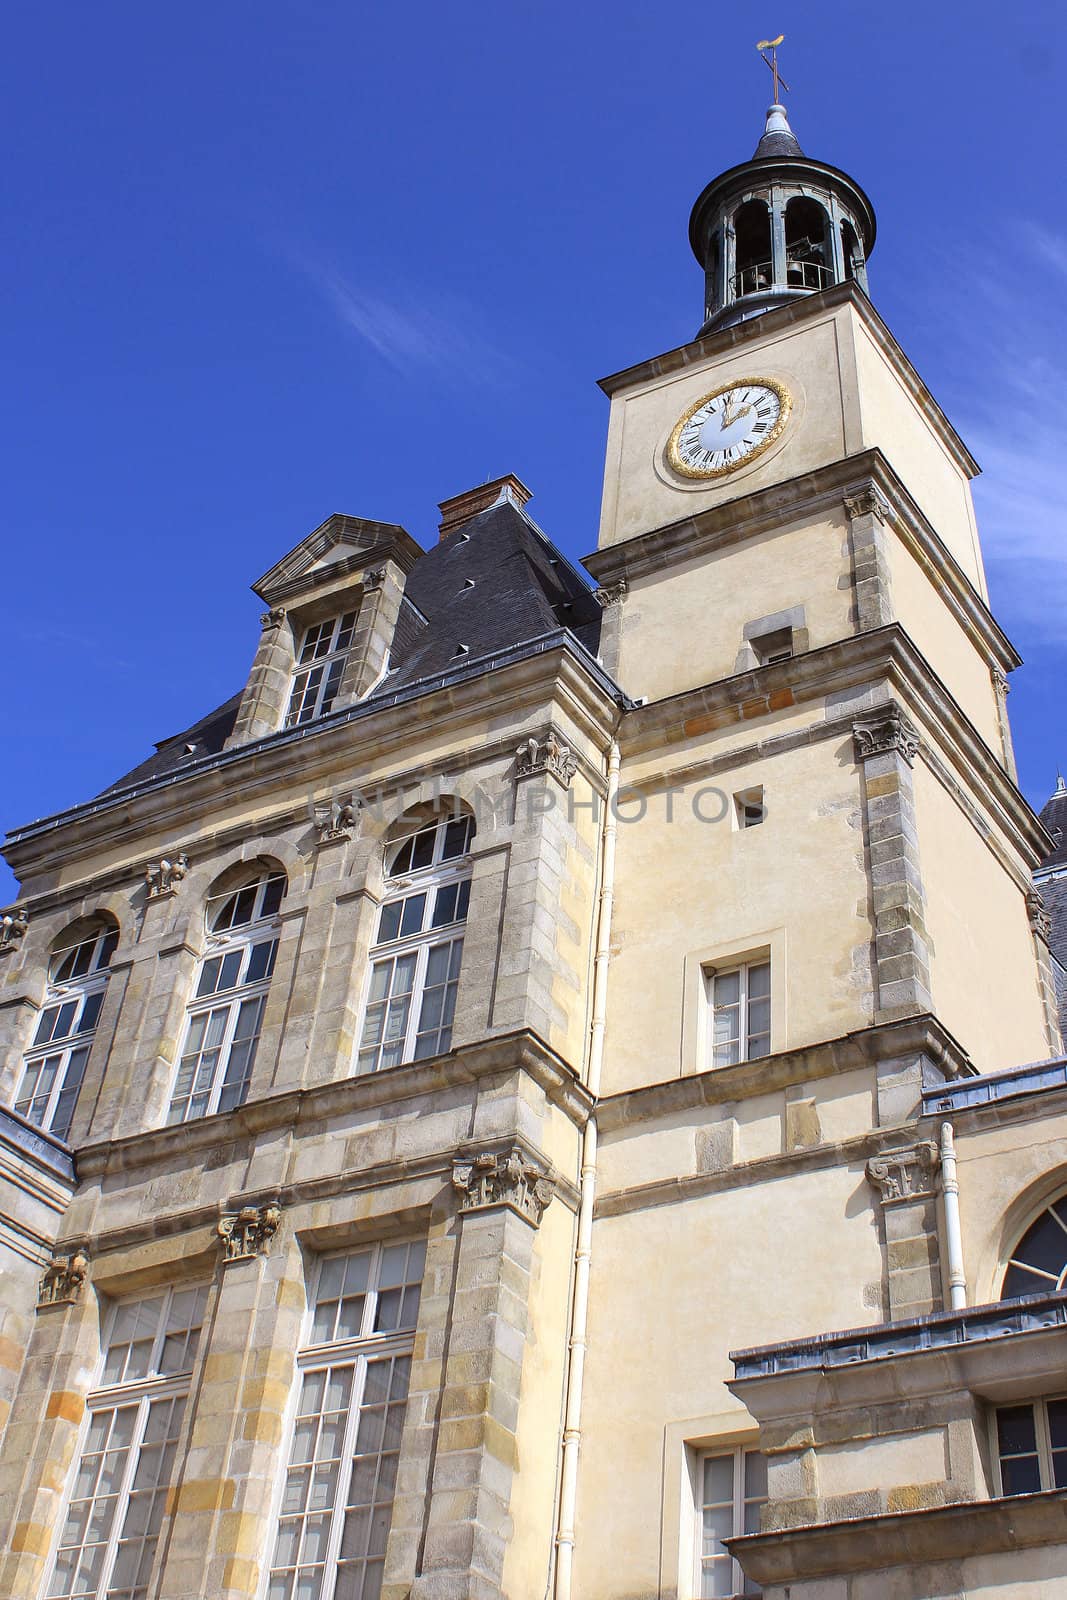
728	428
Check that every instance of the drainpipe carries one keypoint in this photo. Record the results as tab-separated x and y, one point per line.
950	1198
572	1417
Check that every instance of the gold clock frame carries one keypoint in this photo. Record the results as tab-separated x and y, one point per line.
684	470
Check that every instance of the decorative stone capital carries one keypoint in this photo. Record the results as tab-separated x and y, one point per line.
272	618
908	1174
162	877
1000	681
867	502
247	1232
888	732
506	1178
63	1280
337	820
13	928
611	594
548	754
1040	921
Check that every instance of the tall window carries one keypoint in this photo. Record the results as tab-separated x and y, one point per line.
732	1487
337	1499
55	1062
320	664
416	957
226	1013
1038	1263
108	1541
740	1013
1032	1446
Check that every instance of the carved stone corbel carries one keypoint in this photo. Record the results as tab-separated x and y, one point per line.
1001	686
907	1174
337	820
506	1178
1040	921
611	594
546	755
246	1233
13	928
887	732
373	578
272	618
162	877
867	502
63	1280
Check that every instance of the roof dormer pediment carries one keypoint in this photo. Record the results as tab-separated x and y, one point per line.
340	546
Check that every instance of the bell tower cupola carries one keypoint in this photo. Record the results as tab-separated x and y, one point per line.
777	228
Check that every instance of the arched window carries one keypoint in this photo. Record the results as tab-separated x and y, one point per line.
226	1012
1038	1263
418	947
55	1062
752	230
807	244
850	250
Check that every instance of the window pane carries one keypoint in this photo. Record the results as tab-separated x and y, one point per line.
727	988
1016	1433
719	1480
90	1011
261	961
457	838
422	848
414	909
759	981
389	921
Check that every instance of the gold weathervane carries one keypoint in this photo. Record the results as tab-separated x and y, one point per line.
772	62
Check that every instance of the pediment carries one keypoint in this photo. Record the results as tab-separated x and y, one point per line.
340	544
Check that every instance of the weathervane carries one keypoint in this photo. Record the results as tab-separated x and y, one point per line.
772	62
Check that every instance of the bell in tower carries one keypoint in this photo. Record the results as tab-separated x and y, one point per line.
777	227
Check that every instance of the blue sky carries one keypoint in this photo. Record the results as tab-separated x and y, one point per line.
266	262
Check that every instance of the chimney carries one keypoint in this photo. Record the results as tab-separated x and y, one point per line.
462	507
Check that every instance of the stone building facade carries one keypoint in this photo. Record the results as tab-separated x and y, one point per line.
558	1090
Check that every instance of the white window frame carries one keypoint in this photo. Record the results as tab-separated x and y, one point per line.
326	653
357	1353
1043	1282
745	1036
107	1399
225	941
70	1051
405	885
1043	1438
736	1454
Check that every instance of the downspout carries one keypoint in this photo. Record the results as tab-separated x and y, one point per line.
572	1417
950	1199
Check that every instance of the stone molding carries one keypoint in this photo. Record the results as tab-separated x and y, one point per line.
247	1233
611	594
906	1174
337	820
502	1178
14	926
162	877
548	755
273	618
63	1280
1040	921
868	502
890	732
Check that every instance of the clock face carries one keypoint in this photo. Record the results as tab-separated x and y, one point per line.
729	428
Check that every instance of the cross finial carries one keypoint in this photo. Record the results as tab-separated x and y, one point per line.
772	62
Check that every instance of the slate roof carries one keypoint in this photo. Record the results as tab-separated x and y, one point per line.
1054	816
495	582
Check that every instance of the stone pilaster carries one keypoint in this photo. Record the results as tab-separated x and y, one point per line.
886	744
266	695
372	639
610	597
1041	930
222	1531
1001	688
905	1180
868	522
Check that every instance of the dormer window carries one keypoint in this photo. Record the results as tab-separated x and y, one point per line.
320	665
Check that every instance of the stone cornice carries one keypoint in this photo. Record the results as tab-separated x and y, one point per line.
721	1085
797	311
555	668
510	1052
971	1529
776	507
888	653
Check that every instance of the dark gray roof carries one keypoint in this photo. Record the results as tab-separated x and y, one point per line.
1054	816
778	144
495	582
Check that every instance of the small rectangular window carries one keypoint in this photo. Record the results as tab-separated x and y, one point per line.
732	1486
740	1013
1031	1444
749	810
771	647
